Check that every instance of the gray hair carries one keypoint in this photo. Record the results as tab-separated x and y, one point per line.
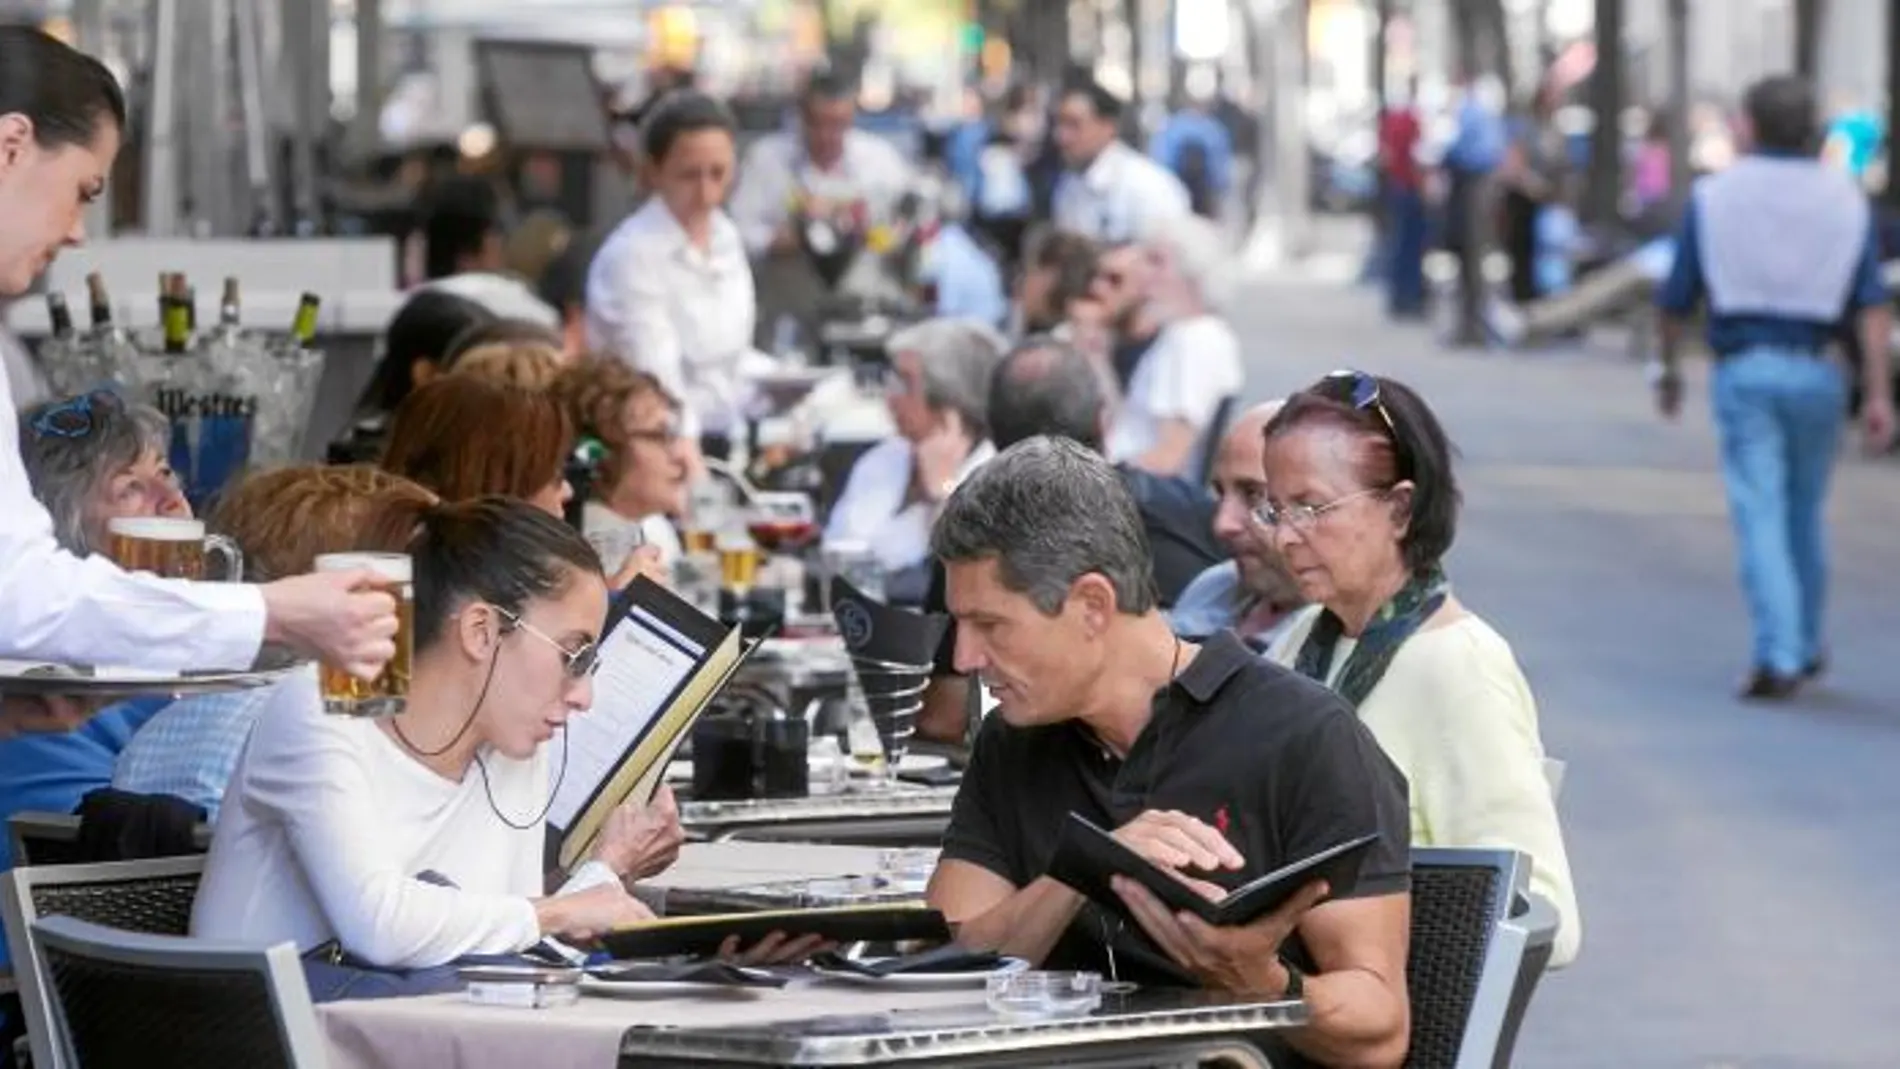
1049	511
65	471
1200	255
956	357
1047	386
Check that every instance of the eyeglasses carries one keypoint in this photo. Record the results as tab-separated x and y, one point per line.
665	434
1363	392
73	417
579	663
1304	517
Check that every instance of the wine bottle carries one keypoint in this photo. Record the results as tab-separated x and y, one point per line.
101	303
303	329
61	316
175	314
228	306
191	309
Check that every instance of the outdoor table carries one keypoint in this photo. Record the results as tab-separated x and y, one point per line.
738	876
805	1024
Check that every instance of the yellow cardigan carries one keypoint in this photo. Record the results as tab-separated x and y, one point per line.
1455	713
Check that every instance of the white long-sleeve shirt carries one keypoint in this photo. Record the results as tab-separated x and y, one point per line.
58	607
681	313
777	169
873	508
328	823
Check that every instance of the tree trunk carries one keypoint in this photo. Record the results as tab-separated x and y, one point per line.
1892	193
1381	92
1807	37
1495	33
1679	103
1606	101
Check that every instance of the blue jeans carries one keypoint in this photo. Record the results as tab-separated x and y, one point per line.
1405	251
1780	415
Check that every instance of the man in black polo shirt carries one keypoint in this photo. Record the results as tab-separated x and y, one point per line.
1207	760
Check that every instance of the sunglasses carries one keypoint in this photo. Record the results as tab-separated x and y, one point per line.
1362	390
578	663
75	417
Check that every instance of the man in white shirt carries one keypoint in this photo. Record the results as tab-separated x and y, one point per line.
1111	192
463	248
825	169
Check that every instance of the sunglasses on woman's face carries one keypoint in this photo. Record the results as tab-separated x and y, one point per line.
578	663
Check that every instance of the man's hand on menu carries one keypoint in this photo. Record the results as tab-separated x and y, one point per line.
1176	841
638	841
1243	958
775	949
345	619
585	916
22	714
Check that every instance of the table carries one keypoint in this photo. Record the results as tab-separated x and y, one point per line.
732	876
806	1024
903	815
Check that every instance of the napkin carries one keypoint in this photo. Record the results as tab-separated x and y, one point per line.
943	959
875	631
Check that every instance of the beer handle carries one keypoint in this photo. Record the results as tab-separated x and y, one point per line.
219	545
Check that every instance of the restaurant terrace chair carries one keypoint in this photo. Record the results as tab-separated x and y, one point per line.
138	896
130	999
54	838
1480	944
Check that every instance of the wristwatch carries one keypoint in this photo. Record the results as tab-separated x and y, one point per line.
1295	981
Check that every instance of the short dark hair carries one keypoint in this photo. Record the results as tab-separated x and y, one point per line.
827	85
1105	104
61	90
462	212
1783	113
423	329
1049	511
1046	387
499	330
495	550
1412	447
680	113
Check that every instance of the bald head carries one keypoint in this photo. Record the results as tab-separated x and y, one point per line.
1241	485
1046	387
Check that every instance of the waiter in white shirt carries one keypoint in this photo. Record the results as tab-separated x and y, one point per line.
1109	192
61	119
670	291
826	168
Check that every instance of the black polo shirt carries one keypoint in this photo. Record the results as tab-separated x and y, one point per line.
1277	762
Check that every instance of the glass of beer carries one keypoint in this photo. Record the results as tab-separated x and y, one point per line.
388	693
173	547
738	562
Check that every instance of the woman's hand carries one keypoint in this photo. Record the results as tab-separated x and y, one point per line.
936	459
585	916
639	841
775	949
644	560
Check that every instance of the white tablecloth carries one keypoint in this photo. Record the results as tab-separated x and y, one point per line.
722	866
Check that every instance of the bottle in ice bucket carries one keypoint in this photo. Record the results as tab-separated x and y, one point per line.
303	329
388	693
229	312
60	316
174	314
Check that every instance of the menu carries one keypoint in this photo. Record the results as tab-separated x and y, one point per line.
661	663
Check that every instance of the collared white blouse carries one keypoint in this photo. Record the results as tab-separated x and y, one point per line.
1119	197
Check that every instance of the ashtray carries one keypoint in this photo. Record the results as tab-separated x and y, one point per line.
1044	994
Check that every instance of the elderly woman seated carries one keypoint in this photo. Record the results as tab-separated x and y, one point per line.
90	459
282	520
1362	505
630	439
939	393
1182	388
410	841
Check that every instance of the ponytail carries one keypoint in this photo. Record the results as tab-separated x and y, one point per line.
497	550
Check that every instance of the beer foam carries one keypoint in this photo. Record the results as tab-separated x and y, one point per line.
157	528
395	567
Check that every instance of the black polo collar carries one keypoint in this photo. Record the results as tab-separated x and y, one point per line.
1222	657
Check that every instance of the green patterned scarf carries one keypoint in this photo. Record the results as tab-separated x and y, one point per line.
1388	629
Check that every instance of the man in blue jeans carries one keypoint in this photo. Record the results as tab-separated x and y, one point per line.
1781	248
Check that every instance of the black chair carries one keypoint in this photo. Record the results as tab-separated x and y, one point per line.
1480	944
56	839
136	896
128	999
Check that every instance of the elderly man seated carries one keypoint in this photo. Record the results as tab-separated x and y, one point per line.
939	394
1207	760
1253	594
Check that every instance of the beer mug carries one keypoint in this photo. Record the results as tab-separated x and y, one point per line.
174	547
388	693
738	562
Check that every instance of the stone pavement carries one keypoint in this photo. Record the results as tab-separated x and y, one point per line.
1738	865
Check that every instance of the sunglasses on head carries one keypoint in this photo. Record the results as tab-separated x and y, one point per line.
1362	391
74	417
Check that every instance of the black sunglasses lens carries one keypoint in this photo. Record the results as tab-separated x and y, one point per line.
1365	391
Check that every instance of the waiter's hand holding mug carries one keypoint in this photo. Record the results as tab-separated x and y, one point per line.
346	619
